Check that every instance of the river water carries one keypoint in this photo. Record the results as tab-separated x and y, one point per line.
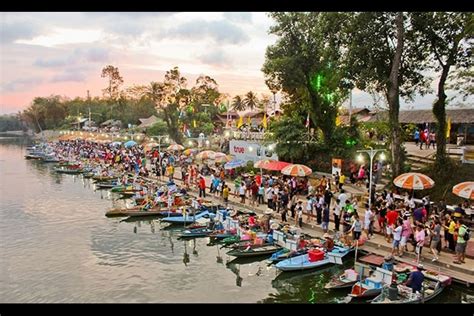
56	245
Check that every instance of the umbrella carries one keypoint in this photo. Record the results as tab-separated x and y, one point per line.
130	143
413	181
235	164
206	154
464	190
297	170
175	147
189	151
221	159
263	162
116	143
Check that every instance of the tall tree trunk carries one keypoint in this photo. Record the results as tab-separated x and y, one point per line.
172	126
439	110
393	99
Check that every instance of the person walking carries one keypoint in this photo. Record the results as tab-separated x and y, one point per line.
463	237
337	215
356	227
325	224
397	236
420	241
435	240
202	187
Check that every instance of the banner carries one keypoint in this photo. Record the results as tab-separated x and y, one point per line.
336	166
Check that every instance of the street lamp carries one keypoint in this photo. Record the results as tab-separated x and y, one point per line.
371	152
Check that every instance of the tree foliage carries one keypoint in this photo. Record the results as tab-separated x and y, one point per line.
115	81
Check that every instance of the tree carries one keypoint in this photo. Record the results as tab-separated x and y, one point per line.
448	36
250	100
306	63
384	56
167	97
115	80
238	104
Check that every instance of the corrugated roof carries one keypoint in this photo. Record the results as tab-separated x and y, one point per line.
457	116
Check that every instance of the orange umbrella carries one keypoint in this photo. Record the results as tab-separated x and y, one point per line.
297	170
262	163
464	190
413	181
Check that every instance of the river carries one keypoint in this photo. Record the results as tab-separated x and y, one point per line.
56	245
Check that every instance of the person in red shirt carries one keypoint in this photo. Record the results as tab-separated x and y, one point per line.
202	187
258	179
391	216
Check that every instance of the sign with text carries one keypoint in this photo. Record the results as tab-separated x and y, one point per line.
250	151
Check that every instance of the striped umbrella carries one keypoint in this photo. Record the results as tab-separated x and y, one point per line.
206	154
297	170
464	190
262	163
175	147
150	145
235	164
413	181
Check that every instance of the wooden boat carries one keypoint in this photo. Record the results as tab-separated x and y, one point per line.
68	170
124	189
254	250
105	185
135	211
187	218
348	277
33	157
433	285
98	178
305	262
230	240
88	175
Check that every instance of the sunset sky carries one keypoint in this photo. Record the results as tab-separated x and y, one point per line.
63	53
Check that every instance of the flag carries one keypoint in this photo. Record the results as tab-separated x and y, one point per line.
241	122
264	121
307	121
448	127
338	120
194	123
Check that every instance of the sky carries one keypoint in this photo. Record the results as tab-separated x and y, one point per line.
45	53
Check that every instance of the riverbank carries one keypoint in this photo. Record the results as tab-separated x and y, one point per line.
463	274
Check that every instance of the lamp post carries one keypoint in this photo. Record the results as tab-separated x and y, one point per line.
371	152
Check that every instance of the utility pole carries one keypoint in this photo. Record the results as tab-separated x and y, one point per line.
371	152
350	107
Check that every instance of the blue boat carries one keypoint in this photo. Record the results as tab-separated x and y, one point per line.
284	254
196	232
187	218
303	262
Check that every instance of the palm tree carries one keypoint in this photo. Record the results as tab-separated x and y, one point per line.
250	101
238	104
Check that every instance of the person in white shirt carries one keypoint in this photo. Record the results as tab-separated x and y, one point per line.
397	236
269	196
368	216
309	208
242	192
342	199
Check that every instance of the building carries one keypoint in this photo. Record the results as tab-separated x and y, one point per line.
147	122
462	121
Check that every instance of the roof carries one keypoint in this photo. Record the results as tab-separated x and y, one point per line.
457	116
147	122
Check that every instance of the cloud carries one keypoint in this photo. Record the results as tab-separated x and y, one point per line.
216	57
15	30
79	55
21	84
69	75
245	17
222	31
